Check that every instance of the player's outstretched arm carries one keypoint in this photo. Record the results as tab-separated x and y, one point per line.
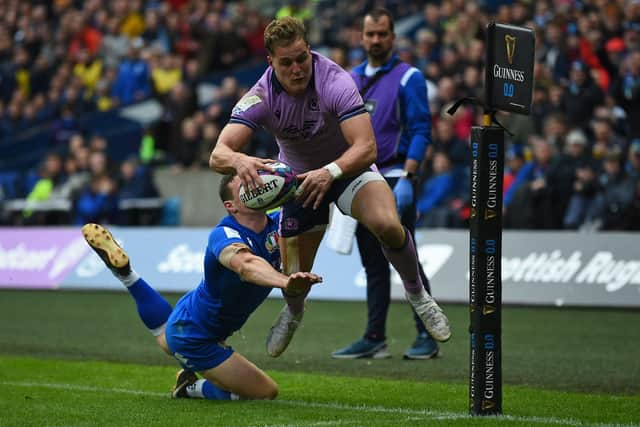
254	269
227	156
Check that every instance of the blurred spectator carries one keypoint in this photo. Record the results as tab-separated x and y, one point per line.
89	69
445	139
133	82
604	138
514	160
115	45
180	104
529	203
188	146
50	176
65	126
297	9
98	203
433	210
582	95
615	196
83	35
580	170
75	180
166	73
136	182
626	91
633	164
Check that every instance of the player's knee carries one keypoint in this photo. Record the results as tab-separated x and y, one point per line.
269	391
386	231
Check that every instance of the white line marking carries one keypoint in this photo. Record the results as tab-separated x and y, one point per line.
421	414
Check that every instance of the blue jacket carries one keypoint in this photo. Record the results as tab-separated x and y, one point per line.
435	191
399	111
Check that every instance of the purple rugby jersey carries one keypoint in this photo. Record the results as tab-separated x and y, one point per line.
306	128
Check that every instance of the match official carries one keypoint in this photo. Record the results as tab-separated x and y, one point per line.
395	95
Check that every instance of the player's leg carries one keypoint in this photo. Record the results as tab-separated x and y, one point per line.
424	346
226	374
241	378
298	253
373	205
377	272
153	309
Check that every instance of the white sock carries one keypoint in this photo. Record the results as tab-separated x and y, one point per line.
159	330
129	279
195	389
417	297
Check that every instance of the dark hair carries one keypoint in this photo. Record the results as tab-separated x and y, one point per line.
224	190
283	32
378	13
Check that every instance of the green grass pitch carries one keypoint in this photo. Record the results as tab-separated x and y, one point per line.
84	359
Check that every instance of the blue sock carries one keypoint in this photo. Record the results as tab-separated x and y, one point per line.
153	309
203	389
213	392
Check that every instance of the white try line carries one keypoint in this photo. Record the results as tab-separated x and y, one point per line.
418	414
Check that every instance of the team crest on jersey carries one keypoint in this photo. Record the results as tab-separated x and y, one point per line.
272	242
245	103
370	106
313	104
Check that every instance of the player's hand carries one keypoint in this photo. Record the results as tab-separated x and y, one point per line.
403	192
299	283
313	187
247	169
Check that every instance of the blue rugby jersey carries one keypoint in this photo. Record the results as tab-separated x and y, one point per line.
306	128
222	302
399	110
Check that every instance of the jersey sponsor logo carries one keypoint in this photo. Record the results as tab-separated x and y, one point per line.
293	131
231	233
245	103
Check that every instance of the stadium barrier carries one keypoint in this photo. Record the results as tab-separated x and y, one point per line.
540	268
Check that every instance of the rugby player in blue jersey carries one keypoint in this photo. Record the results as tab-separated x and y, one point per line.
395	95
318	118
241	264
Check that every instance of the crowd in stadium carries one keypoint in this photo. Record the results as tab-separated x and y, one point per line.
574	163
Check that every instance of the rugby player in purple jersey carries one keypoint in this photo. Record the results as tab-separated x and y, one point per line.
317	116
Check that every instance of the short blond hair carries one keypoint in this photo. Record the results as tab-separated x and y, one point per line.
283	31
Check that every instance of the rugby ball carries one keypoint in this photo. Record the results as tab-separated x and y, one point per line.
277	188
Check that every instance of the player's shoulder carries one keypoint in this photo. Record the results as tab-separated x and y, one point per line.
227	229
256	97
326	70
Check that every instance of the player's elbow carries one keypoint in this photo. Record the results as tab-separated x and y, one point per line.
370	153
213	160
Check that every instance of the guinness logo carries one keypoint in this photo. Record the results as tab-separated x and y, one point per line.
510	44
488	309
490	214
473	212
488	404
